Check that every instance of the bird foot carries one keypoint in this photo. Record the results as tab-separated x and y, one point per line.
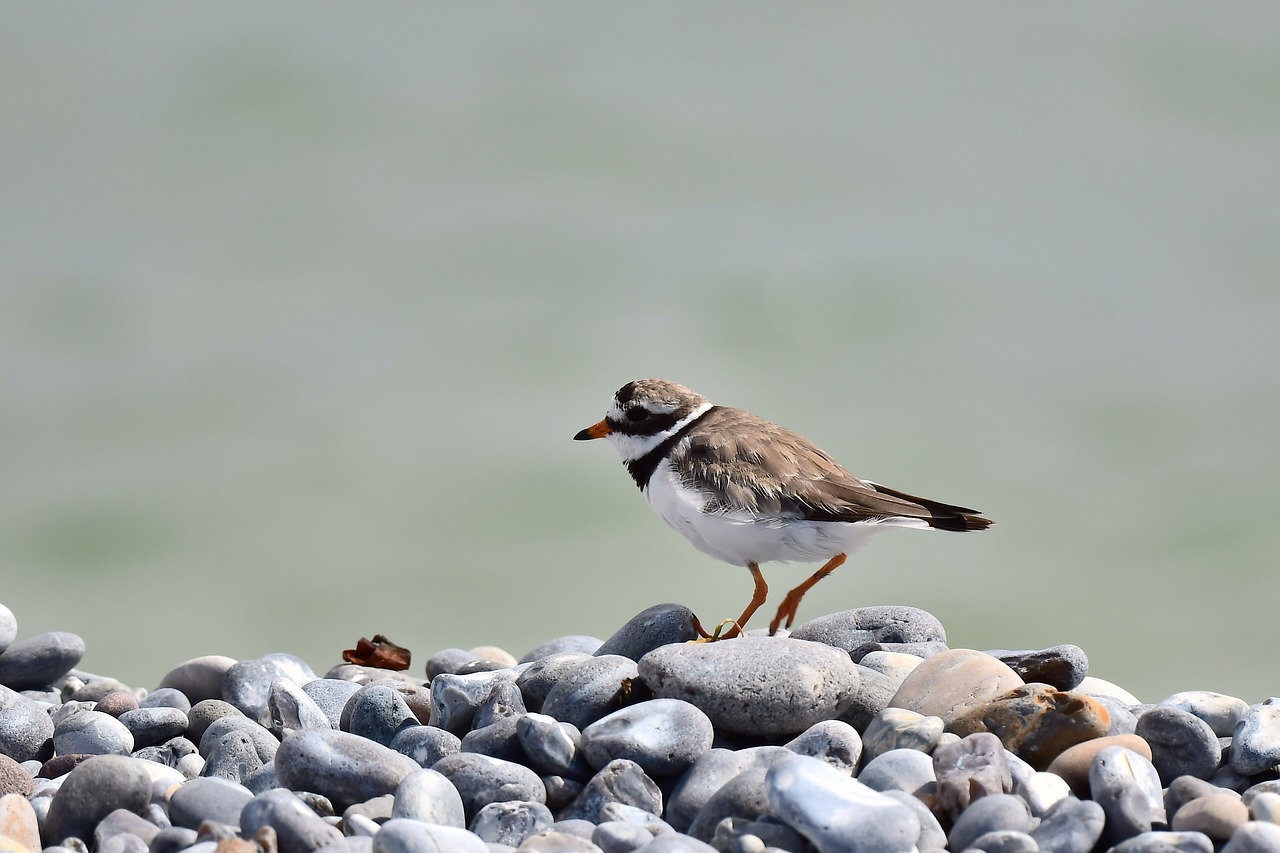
734	631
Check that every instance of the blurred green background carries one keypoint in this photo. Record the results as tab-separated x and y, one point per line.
301	304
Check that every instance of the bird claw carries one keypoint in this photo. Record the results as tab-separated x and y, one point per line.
716	635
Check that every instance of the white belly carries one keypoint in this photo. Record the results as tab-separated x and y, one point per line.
741	538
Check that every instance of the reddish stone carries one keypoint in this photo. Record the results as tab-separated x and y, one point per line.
1037	722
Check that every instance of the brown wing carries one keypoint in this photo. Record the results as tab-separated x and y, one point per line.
746	461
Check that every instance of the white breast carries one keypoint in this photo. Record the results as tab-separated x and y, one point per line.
740	538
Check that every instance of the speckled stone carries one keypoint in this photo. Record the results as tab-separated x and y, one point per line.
18	821
953	683
796	683
1181	743
973	767
204	713
26	731
1037	722
116	703
94	789
343	767
40	660
851	629
649	629
14	779
1062	667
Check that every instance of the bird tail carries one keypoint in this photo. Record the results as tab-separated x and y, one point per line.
942	516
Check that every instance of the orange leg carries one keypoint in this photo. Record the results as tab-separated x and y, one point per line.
757	598
792	601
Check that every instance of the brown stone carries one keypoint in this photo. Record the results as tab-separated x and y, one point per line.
13	779
1217	816
18	822
1073	763
1037	722
953	683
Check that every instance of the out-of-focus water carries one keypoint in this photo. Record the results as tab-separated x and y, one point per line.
300	306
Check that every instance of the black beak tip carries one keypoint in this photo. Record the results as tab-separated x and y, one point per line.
583	435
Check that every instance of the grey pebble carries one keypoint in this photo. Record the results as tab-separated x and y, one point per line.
590	689
455	699
711	675
677	844
895	666
663	736
1123	720
402	835
298	829
931	835
198	800
992	813
165	697
1005	841
907	770
971	767
154	725
8	628
230	754
264	742
481	780
872	695
377	712
836	812
709	773
553	748
743	797
41	660
1181	743
579	643
1070	826
653	627
204	713
1063	667
555	841
91	791
448	661
331	696
247	684
1219	710
1255	741
737	833
1254	837
511	822
91	733
173	839
850	629
900	728
292	709
26	731
429	796
1128	788
199	678
505	702
346	768
616	836
1165	842
124	822
536	680
921	650
377	810
833	741
498	740
425	744
619	781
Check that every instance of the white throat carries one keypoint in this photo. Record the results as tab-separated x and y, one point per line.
633	447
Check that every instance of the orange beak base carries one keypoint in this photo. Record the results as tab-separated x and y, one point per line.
597	430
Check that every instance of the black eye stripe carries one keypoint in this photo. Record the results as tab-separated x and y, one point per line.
651	425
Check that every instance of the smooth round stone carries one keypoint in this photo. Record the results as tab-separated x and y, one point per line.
899	728
26	730
1255	742
504	704
481	779
498	740
1041	790
931	835
1181	743
230	755
425	744
1123	720
555	841
346	768
8	628
199	678
850	629
331	696
511	822
552	748
590	690
14	779
1265	806
165	697
1070	826
155	725
455	699
1217	816
663	736
429	796
1128	788
1165	842
895	666
378	712
1073	764
448	662
835	811
1094	686
578	643
201	799
40	660
1220	711
494	654
794	683
972	767
204	713
709	774
833	741
742	797
92	733
619	781
649	629
125	832
993	813
906	770
1255	837
1037	722
536	679
18	821
264	742
297	827
1063	667
292	709
953	683
615	836
95	788
116	703
247	683
402	835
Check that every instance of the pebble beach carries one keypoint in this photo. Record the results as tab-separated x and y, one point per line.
860	731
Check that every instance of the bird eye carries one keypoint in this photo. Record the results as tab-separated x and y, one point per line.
636	413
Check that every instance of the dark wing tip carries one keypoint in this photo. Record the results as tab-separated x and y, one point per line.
942	516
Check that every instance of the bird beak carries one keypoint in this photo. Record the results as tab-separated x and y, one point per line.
599	430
